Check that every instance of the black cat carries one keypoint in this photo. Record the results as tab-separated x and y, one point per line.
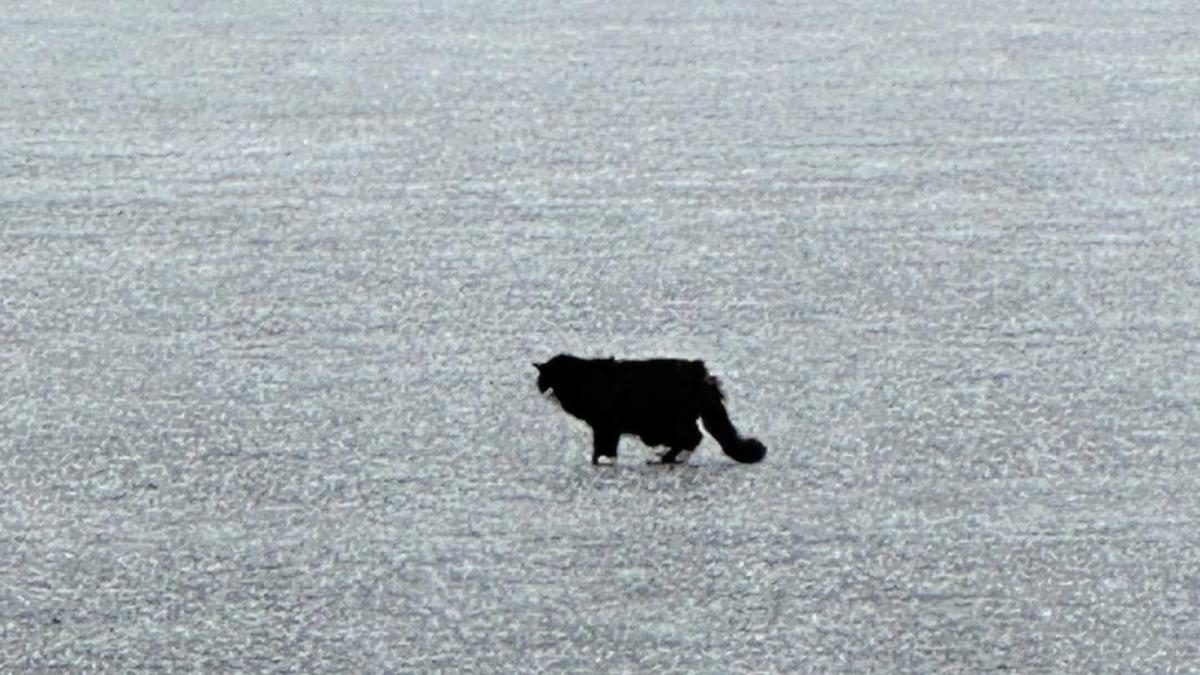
657	400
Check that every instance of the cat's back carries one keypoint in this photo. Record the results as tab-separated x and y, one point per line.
662	370
610	377
657	383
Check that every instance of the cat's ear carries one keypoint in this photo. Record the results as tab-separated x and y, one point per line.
538	366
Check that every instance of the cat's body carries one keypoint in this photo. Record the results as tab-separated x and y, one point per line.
658	400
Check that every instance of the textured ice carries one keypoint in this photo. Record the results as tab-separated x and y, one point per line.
271	278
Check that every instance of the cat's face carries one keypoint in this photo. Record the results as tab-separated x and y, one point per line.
545	380
551	374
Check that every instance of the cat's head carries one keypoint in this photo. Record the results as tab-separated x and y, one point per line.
545	380
552	372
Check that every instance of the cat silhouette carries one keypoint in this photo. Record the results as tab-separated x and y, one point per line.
657	400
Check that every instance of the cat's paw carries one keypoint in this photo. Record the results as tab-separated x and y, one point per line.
604	460
669	458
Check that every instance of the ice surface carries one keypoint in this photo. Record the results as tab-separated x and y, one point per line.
271	278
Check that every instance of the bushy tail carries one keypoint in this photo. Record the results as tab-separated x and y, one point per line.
716	421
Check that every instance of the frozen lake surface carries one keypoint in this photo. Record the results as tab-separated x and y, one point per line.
271	279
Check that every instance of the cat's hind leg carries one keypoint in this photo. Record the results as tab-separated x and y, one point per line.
604	446
682	445
674	456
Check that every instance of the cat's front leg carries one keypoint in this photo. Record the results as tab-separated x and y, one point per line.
604	446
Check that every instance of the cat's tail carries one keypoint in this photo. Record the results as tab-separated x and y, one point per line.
716	421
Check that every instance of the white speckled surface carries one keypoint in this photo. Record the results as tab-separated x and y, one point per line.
271	280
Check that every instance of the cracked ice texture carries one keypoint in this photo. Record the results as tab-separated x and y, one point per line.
271	281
